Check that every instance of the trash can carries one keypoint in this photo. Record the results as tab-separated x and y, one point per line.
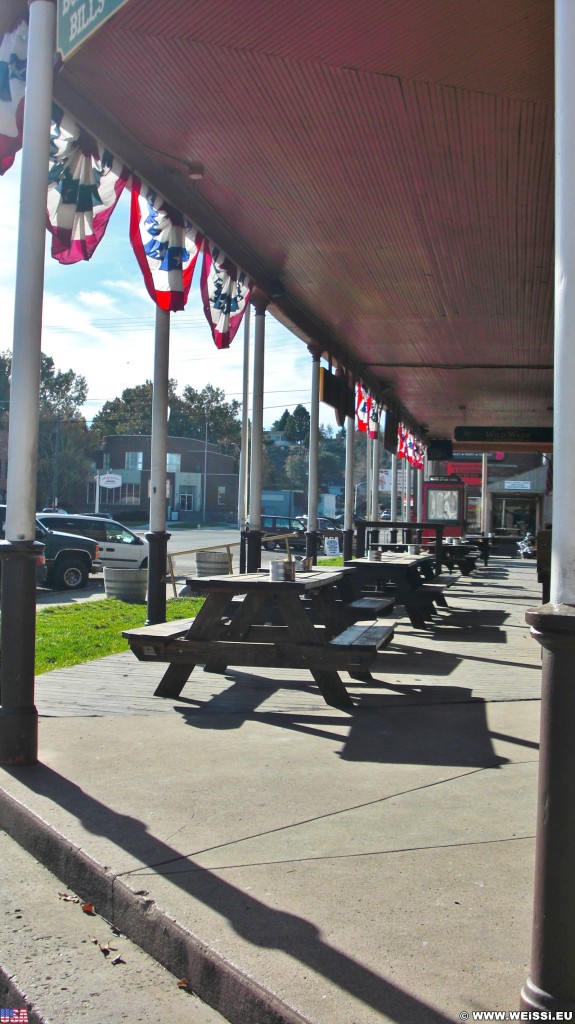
128	585
213	563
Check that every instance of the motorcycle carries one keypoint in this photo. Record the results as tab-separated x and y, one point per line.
526	547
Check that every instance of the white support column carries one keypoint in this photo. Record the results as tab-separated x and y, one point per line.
157	537
349	461
419	495
349	500
484	493
551	983
407	491
376	455
393	505
260	305
368	469
243	466
312	484
159	440
18	715
26	355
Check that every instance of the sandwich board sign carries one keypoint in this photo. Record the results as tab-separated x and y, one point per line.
79	19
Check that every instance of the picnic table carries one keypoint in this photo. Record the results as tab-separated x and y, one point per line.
411	578
251	619
462	556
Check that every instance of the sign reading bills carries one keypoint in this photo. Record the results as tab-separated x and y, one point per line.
79	19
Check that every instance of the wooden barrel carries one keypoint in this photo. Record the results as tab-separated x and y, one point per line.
128	585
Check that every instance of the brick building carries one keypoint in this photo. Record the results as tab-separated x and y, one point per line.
202	482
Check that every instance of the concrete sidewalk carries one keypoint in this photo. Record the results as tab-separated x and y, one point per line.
298	862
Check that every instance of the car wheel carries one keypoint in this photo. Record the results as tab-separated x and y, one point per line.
69	574
269	545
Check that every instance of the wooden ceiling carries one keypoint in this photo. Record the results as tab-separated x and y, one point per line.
385	170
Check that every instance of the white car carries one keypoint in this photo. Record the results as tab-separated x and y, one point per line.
120	548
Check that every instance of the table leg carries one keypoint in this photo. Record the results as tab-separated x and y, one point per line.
301	630
206	621
331	688
243	619
173	680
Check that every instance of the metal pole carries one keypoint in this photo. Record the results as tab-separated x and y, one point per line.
349	500
484	494
243	466
18	715
376	449
254	536
158	538
205	468
551	982
313	457
393	507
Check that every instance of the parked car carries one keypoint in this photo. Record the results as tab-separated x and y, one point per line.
120	548
69	560
324	525
272	526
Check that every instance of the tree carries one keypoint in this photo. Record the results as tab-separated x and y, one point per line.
63	437
192	414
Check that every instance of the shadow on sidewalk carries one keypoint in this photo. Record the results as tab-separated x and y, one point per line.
258	923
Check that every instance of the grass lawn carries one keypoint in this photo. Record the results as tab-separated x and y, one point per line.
70	634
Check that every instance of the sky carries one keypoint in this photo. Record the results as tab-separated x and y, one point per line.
98	320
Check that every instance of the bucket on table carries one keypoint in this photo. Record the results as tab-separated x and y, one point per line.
283	570
213	563
128	585
303	563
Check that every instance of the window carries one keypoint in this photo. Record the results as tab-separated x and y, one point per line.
134	460
221	495
130	494
173	460
188	499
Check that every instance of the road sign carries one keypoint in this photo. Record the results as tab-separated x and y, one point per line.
79	19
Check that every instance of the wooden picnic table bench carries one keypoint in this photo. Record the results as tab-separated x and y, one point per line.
226	633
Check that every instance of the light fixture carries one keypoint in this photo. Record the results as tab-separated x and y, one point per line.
195	172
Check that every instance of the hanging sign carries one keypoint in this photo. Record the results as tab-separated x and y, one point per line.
79	19
110	480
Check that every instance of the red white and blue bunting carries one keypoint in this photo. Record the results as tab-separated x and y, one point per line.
85	182
165	245
409	448
13	57
225	292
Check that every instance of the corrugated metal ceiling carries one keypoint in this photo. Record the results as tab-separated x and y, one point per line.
390	162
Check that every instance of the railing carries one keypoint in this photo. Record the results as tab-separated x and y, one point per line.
193	551
411	534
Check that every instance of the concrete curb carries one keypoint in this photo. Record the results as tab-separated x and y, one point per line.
222	985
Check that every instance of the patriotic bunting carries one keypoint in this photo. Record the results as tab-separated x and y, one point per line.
401	441
362	408
85	182
225	292
13	58
166	247
373	424
408	447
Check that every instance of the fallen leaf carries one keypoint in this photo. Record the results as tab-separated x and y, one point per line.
117	960
142	892
108	949
185	985
88	908
68	898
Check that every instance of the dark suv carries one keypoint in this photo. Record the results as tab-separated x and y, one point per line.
277	526
69	559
